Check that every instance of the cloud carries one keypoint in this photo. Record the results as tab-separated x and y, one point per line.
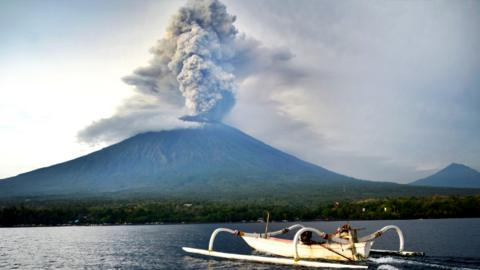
387	89
194	71
138	114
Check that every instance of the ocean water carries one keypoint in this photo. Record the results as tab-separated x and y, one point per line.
448	244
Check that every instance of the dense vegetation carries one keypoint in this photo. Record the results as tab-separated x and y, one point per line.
84	212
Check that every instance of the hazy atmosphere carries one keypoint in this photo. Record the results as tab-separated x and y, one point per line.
375	90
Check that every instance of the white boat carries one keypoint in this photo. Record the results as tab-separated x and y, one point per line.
342	246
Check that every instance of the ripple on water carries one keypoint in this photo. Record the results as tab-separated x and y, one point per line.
386	267
159	247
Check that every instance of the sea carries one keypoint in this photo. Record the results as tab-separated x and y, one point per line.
447	243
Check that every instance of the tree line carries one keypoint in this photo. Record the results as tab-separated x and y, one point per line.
86	212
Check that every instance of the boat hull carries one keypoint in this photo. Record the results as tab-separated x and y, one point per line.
331	251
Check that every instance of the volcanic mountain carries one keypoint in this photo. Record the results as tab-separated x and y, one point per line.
193	160
212	161
454	175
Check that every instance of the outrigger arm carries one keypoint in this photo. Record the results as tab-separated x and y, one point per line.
379	233
320	233
241	233
400	252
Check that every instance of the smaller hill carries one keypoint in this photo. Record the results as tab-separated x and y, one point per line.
454	175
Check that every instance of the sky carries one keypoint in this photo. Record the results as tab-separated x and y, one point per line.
378	90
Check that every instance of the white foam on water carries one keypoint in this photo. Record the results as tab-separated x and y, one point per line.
390	260
387	267
386	260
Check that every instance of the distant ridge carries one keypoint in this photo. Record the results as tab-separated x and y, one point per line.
454	175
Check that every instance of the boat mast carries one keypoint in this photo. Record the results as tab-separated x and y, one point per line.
266	225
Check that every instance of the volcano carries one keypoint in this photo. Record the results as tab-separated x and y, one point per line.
195	160
211	161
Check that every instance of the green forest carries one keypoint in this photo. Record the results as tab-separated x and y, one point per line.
112	212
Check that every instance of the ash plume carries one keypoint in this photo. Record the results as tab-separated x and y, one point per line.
193	58
192	76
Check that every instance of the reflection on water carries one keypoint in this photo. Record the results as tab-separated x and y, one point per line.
449	243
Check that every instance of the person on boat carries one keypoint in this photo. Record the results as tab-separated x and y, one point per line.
306	238
343	231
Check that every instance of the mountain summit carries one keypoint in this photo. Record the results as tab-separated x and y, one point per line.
209	159
454	175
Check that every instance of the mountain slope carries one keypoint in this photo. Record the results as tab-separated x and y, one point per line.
213	157
212	162
454	175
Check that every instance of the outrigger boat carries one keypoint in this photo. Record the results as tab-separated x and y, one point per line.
342	246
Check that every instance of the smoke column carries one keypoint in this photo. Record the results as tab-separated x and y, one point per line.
194	58
194	72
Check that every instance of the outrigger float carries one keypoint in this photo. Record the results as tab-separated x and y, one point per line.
342	246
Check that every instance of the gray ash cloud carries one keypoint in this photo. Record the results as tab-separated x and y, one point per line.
192	76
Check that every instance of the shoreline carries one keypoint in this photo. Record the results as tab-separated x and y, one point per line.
233	222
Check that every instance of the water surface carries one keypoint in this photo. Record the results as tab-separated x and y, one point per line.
448	243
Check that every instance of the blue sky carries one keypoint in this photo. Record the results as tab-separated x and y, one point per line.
380	90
